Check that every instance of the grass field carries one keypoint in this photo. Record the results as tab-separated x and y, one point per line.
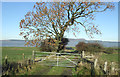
15	54
110	57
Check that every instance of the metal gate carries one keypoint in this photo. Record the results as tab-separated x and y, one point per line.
57	59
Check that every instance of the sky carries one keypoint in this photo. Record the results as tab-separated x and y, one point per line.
13	12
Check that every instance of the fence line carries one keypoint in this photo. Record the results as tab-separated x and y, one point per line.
94	64
84	57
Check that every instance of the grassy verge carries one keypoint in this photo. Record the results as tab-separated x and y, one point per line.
36	70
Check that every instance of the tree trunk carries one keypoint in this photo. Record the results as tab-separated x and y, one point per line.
58	48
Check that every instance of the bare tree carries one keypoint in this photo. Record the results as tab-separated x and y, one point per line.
50	20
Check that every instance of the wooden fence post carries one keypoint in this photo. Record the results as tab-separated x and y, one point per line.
95	63
20	64
112	68
57	58
92	69
18	67
80	59
27	61
6	60
105	66
83	54
92	55
23	56
33	55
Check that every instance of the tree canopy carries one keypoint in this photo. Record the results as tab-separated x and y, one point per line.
49	20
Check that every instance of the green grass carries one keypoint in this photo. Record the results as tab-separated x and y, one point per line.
37	70
60	71
109	57
15	53
113	57
47	70
56	71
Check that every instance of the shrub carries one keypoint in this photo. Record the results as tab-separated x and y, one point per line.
94	47
46	47
89	47
81	46
49	48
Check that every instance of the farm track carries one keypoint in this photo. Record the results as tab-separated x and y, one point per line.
48	69
51	70
42	71
67	71
60	71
